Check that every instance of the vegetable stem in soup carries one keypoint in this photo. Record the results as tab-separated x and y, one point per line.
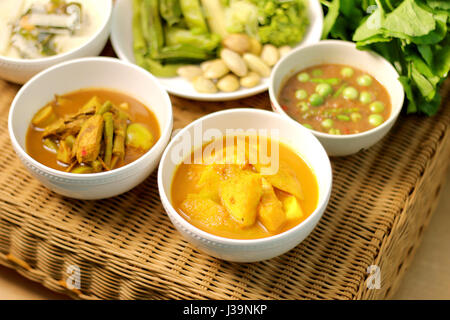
237	198
335	99
91	130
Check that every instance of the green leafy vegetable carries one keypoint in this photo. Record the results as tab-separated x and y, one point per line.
411	34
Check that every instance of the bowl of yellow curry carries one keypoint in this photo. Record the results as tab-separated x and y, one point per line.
244	185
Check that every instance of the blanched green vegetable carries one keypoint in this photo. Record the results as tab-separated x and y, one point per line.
140	46
215	15
242	17
281	22
156	68
183	52
151	26
193	15
170	10
204	41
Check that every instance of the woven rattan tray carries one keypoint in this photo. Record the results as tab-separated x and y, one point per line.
126	247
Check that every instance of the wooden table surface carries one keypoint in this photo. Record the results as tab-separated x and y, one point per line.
428	277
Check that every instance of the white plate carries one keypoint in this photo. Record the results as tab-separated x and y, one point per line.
122	42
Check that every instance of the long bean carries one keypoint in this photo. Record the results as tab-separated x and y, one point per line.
120	130
108	131
104	108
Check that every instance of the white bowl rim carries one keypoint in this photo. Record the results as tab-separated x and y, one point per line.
165	132
392	116
67	54
242	93
321	206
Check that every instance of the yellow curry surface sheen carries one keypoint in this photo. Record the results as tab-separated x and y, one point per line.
236	199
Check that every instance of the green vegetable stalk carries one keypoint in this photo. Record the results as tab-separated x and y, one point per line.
193	15
170	10
140	45
151	26
177	36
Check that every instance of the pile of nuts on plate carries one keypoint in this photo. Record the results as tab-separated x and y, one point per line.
243	62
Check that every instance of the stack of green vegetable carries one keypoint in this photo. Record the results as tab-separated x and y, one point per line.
171	33
411	34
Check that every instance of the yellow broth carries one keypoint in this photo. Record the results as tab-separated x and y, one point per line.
186	182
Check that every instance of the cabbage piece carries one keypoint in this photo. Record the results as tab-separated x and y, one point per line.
242	17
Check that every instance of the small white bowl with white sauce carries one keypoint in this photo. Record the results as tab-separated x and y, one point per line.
89	40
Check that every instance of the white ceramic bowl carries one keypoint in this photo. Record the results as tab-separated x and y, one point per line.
21	70
82	73
341	52
122	42
296	137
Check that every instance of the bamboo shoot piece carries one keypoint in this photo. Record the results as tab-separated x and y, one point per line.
91	106
50	145
70	141
54	128
44	117
64	153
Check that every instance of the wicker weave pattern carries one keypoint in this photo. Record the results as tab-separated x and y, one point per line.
126	247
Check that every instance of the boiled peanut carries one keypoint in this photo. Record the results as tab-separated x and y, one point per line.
234	62
251	80
255	47
229	83
204	65
256	64
284	50
189	72
216	69
270	54
237	42
201	84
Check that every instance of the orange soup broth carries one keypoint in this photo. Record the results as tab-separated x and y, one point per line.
187	176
